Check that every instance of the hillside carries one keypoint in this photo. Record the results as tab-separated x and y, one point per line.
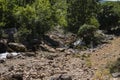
84	65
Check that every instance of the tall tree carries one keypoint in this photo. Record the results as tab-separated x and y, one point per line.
79	13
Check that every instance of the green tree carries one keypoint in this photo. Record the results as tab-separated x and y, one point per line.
109	15
59	12
79	12
35	17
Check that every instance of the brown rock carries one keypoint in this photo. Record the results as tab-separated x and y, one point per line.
17	47
2	60
47	48
29	54
62	77
60	49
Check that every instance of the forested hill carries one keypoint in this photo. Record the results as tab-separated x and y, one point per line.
33	18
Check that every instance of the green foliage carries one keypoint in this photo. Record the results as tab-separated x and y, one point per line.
59	12
87	32
35	17
80	12
115	66
6	17
109	15
94	21
23	34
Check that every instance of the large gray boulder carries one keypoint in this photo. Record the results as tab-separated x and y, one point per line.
17	47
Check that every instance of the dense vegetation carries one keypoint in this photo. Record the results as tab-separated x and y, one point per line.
33	18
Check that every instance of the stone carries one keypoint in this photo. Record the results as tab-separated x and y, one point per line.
17	77
117	74
2	60
66	77
62	77
29	54
50	41
60	49
69	51
17	47
9	56
47	48
51	56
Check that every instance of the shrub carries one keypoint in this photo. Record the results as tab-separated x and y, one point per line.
79	12
22	34
35	17
94	21
115	67
87	32
109	16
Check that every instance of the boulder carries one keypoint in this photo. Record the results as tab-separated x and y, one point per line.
62	77
29	54
60	49
17	76
47	48
2	60
52	56
51	42
17	47
9	56
117	74
66	77
69	51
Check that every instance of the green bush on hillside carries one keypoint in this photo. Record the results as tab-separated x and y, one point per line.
35	18
87	32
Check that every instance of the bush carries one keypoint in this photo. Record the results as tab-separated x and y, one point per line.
79	12
115	67
109	16
22	34
35	17
94	21
87	32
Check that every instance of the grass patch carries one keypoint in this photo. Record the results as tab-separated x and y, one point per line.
115	66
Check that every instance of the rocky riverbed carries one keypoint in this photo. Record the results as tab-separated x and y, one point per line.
46	66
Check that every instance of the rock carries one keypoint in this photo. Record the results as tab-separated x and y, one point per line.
47	48
66	77
51	56
3	47
17	77
29	54
70	51
117	74
60	49
110	37
50	41
9	56
78	42
17	47
62	77
2	60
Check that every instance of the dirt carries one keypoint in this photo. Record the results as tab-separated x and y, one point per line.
46	65
102	59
